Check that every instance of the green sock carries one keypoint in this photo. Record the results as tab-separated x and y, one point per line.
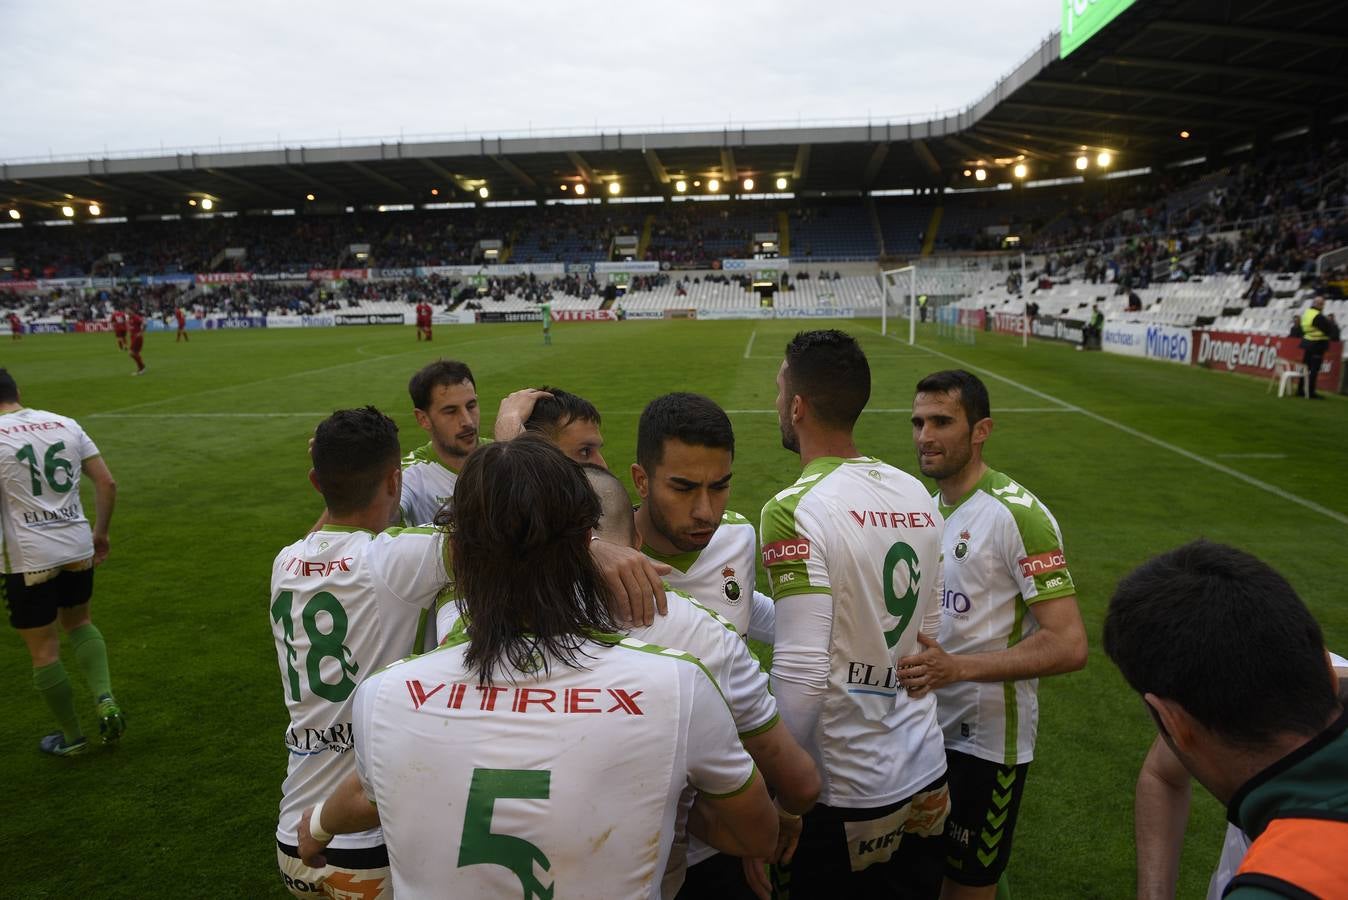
51	682
1003	888
92	655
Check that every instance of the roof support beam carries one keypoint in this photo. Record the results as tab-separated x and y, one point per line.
802	166
382	179
1245	33
1226	71
1070	137
1058	110
586	173
728	170
971	153
327	190
1170	96
456	180
657	168
272	195
118	189
874	164
516	172
1011	145
928	158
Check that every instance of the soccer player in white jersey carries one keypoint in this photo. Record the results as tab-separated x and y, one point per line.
345	602
49	554
444	399
853	553
538	753
685	452
1009	617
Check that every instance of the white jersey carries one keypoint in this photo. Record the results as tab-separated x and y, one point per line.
720	575
427	484
40	458
869	536
344	603
561	784
1003	554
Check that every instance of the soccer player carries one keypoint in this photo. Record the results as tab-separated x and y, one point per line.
50	552
547	754
1009	617
547	322
135	324
119	328
15	327
853	553
569	421
1254	717
345	602
181	316
423	320
685	452
444	399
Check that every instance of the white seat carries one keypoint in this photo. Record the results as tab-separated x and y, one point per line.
1284	372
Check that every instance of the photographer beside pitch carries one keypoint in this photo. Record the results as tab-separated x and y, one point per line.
1009	617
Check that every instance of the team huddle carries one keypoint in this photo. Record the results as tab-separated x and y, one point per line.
503	677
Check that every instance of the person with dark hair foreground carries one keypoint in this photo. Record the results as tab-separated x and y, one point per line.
853	553
536	750
1252	715
346	600
50	552
1009	616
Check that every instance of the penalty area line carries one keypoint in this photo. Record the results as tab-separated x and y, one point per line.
749	348
1142	435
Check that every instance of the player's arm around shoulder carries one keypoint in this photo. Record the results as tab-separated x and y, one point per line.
105	498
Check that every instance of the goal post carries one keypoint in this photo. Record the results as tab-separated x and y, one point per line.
894	283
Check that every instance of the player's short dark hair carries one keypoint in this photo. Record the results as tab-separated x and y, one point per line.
519	532
552	414
1225	636
973	393
9	388
691	418
829	369
353	452
442	372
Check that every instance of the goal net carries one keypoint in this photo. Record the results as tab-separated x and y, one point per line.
898	289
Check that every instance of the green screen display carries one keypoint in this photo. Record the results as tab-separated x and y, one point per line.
1081	19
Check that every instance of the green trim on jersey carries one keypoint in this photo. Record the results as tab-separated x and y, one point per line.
345	529
778	523
753	770
1009	701
397	530
761	729
681	561
730	517
425	454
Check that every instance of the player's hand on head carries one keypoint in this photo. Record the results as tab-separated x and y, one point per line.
515	410
636	582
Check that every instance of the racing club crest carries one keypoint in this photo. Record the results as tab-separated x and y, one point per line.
732	587
962	548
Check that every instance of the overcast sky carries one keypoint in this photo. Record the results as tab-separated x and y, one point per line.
79	77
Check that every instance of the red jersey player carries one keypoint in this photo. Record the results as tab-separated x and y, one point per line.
15	326
182	324
136	326
423	320
119	328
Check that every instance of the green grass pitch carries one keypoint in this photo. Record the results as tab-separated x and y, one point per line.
209	451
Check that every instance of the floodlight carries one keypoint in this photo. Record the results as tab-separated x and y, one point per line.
968	172
1082	163
95	209
1020	171
781	184
697	184
207	203
580	190
563	186
680	186
1184	135
67	211
15	214
435	192
191	203
308	196
748	184
713	185
1104	159
980	174
614	188
483	192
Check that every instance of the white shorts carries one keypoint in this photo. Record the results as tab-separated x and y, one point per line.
333	882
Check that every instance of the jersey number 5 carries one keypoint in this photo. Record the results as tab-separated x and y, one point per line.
481	845
900	571
322	645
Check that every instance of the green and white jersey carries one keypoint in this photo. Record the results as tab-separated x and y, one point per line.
721	575
868	536
560	783
344	602
427	484
1003	554
40	458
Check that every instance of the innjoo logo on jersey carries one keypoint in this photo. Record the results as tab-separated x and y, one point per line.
790	550
1052	561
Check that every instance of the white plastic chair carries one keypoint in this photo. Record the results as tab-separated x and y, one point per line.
1286	371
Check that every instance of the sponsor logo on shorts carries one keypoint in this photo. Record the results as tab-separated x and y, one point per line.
1052	561
789	550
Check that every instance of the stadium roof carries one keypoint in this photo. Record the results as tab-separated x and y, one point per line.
1230	76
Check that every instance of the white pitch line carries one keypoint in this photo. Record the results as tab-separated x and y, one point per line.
235	415
1251	455
1142	435
749	348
